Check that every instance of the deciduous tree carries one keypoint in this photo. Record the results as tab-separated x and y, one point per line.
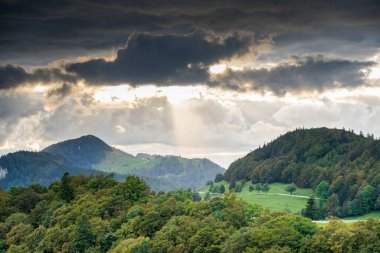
291	188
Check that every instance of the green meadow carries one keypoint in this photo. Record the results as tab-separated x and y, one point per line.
121	163
275	199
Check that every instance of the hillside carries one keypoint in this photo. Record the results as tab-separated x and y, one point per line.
347	164
183	171
89	155
24	168
177	171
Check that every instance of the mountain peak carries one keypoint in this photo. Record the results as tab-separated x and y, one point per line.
88	137
85	140
83	151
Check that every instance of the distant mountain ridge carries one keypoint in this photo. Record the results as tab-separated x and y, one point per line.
90	155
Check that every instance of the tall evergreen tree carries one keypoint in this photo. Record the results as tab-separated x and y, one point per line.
66	191
84	238
367	198
311	209
222	189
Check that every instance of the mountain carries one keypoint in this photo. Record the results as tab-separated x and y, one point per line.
164	172
84	151
89	154
343	167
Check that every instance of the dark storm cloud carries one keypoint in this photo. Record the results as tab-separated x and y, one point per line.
163	59
165	46
40	31
174	59
307	73
12	76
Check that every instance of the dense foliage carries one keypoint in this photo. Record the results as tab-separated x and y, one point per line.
346	164
99	214
24	168
90	155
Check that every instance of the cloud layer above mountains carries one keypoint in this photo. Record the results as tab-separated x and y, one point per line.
206	74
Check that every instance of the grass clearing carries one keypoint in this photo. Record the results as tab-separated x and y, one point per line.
276	199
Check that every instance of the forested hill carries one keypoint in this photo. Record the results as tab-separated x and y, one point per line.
349	163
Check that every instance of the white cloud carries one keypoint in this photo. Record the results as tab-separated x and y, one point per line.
119	129
220	125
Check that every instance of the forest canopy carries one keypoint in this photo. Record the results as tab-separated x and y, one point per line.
98	214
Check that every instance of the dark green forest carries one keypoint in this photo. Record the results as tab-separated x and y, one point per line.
341	166
25	168
99	214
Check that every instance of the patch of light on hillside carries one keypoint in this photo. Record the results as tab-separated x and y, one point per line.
3	172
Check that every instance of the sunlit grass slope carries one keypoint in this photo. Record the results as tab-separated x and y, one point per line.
276	199
119	162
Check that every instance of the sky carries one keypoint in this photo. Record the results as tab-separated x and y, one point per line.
212	79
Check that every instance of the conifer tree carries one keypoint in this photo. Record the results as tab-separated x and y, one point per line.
66	191
222	189
84	238
311	209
